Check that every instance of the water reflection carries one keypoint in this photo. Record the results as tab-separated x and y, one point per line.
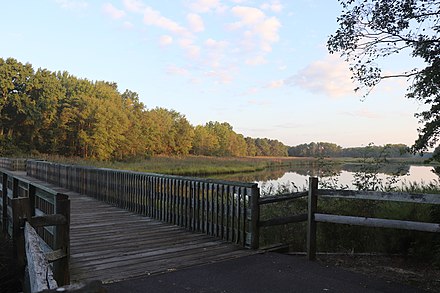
343	174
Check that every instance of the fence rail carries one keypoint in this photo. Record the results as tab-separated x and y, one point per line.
314	216
47	210
219	208
13	164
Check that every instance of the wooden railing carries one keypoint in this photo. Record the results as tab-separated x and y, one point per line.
219	208
45	210
312	216
315	217
13	164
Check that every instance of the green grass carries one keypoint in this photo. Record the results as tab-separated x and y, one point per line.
190	165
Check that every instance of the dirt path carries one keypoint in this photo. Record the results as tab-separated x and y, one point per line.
395	269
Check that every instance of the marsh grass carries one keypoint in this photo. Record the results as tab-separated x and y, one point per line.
189	165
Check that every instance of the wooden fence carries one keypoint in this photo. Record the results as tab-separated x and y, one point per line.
312	216
46	210
219	208
13	164
315	217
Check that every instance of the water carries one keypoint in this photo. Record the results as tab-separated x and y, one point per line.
270	180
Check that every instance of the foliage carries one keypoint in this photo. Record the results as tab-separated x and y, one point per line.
372	30
56	113
326	149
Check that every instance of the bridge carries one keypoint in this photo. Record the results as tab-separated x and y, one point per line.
112	225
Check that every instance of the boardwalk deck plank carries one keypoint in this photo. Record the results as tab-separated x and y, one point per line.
111	244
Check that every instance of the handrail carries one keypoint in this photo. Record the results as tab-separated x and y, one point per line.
22	201
384	196
315	217
223	209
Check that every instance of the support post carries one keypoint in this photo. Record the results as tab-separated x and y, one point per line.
255	217
5	203
20	212
62	240
311	227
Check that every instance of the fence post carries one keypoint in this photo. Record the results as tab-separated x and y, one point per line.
20	212
62	240
255	217
5	203
311	227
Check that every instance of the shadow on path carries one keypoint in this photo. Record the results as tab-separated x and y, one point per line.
269	272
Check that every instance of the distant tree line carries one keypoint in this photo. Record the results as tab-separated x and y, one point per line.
58	113
326	149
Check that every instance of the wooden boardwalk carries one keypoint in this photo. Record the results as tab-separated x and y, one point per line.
111	244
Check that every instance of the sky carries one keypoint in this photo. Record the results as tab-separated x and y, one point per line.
261	66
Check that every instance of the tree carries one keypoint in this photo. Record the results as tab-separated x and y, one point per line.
205	141
371	30
168	132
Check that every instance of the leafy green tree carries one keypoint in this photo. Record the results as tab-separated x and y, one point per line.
205	141
169	132
16	106
371	30
251	148
263	147
135	136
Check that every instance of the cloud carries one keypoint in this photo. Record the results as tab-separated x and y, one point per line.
215	52
192	50
165	40
259	30
248	15
268	32
204	6
275	84
211	43
72	4
223	76
175	70
257	60
127	25
274	6
112	11
329	76
134	6
195	22
154	18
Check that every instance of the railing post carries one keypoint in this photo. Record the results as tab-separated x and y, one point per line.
20	212
254	217
5	203
311	227
62	240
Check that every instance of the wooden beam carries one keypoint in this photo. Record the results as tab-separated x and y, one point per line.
385	196
40	273
284	220
48	220
283	197
55	255
62	239
254	230
20	212
311	223
375	222
89	287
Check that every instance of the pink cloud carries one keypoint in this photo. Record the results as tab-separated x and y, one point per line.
112	11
